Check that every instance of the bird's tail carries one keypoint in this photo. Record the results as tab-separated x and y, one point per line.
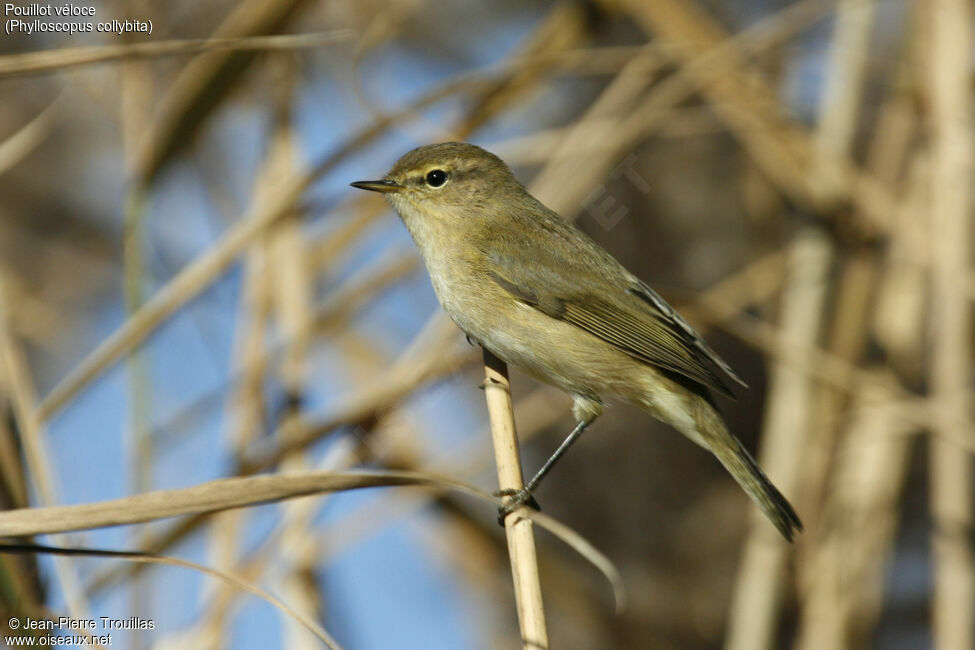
712	434
752	479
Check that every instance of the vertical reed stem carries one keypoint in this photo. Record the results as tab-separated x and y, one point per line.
521	539
951	469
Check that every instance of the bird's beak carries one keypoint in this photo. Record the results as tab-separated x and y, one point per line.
384	186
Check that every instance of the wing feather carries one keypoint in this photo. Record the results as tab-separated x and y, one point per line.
610	304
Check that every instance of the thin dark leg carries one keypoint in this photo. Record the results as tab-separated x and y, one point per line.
524	496
564	447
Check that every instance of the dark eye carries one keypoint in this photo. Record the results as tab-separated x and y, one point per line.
436	178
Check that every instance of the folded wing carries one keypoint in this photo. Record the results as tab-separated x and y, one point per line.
598	295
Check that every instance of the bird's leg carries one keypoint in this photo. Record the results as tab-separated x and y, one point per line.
525	496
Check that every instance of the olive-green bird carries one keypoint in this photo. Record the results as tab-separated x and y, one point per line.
540	294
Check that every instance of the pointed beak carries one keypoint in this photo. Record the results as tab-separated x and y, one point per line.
378	186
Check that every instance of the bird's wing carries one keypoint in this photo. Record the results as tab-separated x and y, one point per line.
615	306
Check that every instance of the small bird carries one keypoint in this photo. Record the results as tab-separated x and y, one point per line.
541	295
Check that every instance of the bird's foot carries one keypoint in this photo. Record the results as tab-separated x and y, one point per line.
515	499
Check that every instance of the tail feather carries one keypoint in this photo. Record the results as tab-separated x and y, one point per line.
761	490
714	435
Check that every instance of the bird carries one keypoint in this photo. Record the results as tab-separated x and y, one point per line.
537	292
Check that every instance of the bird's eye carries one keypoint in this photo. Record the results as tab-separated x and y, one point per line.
436	178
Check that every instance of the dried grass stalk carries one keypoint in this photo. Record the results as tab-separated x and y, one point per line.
45	61
205	82
214	496
17	379
860	518
521	540
756	601
779	146
952	482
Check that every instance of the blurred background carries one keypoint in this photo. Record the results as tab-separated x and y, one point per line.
186	277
